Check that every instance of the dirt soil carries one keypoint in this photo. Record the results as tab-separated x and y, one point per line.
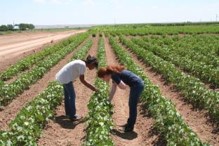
16	46
197	120
142	135
61	131
11	110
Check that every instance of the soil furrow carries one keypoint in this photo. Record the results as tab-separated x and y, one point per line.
10	111
62	132
142	133
12	51
196	119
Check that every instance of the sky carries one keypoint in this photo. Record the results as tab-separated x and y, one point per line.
74	12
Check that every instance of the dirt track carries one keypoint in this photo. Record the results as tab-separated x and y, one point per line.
15	45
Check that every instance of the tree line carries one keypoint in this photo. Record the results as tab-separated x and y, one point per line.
21	26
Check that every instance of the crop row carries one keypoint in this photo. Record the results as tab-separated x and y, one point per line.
35	58
83	50
147	29
204	44
26	128
201	70
28	124
193	90
99	123
9	91
203	48
169	123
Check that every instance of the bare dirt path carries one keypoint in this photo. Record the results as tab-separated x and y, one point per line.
14	47
10	111
62	132
142	133
197	120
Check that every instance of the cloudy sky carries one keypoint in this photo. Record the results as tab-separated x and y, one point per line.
53	12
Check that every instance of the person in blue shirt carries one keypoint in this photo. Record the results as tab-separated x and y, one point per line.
123	78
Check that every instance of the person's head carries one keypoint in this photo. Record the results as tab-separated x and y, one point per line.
91	62
105	72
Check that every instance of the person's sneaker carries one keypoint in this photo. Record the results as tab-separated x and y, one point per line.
76	118
128	129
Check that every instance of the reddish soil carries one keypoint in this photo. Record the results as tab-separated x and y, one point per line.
142	133
11	110
16	46
196	119
62	132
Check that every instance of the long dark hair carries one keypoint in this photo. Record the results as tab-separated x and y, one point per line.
109	70
91	60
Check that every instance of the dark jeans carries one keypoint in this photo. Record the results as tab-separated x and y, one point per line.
69	94
135	92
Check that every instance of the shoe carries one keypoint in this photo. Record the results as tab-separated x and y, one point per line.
128	129
76	118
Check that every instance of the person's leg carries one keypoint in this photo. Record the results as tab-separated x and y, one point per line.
135	93
66	101
71	109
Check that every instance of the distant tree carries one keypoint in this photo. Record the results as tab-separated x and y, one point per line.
3	28
24	26
10	27
31	26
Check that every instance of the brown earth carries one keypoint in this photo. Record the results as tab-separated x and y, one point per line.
197	120
142	133
11	110
15	46
62	132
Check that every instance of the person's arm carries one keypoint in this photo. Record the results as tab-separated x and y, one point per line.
87	84
112	92
122	85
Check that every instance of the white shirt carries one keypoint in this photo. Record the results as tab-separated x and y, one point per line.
71	71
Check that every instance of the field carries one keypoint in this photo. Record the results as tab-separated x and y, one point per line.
179	105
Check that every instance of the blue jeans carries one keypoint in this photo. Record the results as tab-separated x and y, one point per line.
69	94
135	92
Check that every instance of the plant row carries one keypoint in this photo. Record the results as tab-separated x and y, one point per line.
190	87
83	50
169	123
99	123
26	128
9	91
147	29
33	59
201	70
206	44
203	48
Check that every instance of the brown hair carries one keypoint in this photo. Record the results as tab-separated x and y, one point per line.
109	70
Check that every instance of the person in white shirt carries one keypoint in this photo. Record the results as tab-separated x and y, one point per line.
67	75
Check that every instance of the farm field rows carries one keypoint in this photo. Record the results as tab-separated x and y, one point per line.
14	46
179	105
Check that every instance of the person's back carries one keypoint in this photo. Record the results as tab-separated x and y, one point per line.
71	71
67	75
127	77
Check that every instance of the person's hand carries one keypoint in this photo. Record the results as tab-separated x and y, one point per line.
96	90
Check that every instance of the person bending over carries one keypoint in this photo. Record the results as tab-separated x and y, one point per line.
123	78
67	75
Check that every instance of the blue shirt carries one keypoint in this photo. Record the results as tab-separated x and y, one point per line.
128	77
